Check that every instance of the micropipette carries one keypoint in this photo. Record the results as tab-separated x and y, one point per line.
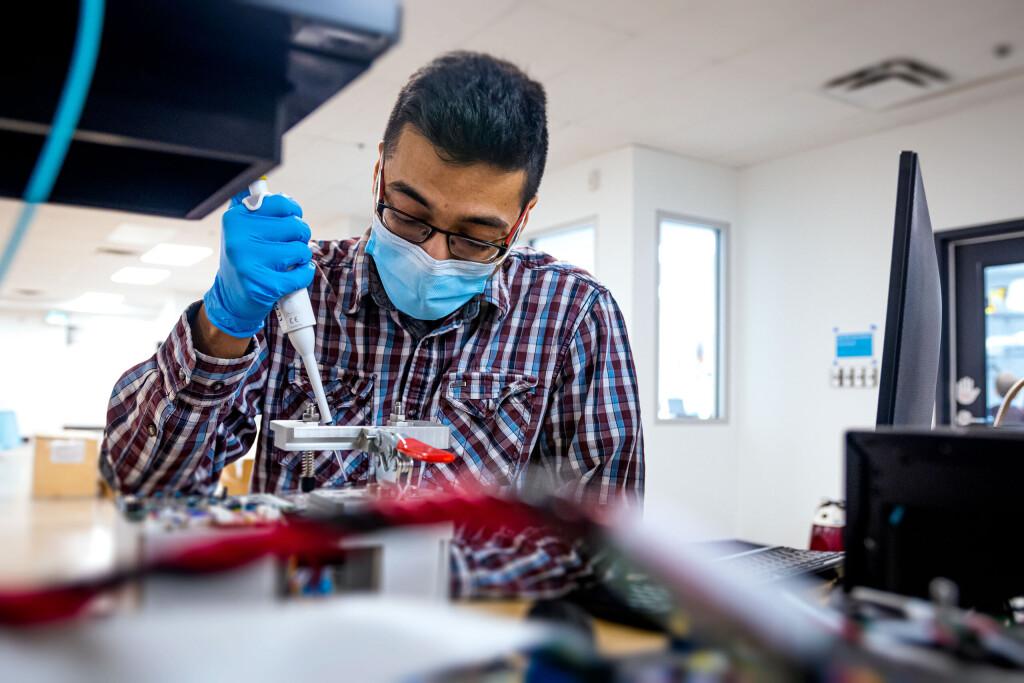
295	316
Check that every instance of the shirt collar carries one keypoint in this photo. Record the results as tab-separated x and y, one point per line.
359	277
364	280
496	290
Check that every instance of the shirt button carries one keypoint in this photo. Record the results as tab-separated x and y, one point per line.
151	429
182	375
217	386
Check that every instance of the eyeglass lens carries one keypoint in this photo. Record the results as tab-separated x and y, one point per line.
417	232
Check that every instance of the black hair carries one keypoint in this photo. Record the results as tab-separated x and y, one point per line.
474	108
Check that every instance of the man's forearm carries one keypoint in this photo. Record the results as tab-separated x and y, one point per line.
209	340
157	435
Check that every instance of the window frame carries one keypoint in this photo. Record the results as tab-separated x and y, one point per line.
721	320
547	231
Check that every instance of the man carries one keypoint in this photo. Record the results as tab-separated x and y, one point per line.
431	313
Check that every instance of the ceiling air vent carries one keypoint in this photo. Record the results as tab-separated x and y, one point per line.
889	84
25	291
115	251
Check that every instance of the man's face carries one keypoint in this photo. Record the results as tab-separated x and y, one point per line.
478	200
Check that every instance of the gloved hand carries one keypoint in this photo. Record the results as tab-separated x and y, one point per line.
263	256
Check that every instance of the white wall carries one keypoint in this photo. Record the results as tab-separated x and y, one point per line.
691	468
50	383
598	189
814	254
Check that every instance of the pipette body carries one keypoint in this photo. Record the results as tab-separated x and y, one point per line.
296	318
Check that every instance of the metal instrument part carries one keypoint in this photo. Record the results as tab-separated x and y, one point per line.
393	448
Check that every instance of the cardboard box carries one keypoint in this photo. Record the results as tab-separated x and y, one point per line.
66	465
235	477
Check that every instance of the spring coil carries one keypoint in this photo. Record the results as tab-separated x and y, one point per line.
307	463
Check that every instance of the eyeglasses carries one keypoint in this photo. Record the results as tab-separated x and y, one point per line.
461	246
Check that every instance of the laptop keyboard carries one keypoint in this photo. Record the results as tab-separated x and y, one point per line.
772	564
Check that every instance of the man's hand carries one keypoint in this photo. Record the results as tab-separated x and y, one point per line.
264	255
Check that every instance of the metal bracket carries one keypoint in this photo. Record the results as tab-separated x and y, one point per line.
296	435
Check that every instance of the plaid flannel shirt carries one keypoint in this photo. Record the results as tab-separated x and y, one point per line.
534	377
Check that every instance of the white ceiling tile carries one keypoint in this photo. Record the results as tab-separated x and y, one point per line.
970	54
430	28
713	93
542	42
633	17
960	99
311	164
572	142
357	114
325	208
869	33
645	63
792	114
722	28
822	133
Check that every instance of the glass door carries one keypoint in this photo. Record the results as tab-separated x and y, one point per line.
983	287
1004	337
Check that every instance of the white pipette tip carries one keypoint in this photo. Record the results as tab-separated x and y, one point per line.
304	340
318	390
258	187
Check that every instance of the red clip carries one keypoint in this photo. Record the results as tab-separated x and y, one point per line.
421	451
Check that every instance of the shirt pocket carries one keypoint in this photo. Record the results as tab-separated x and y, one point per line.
350	396
490	416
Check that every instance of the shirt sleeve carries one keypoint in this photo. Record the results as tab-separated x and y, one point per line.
592	439
590	450
175	420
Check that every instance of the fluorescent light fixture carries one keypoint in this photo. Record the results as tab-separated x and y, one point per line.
175	255
131	275
140	235
96	302
56	318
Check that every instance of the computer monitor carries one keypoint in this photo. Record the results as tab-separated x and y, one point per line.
925	504
910	355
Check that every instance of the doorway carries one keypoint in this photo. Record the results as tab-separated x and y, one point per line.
982	277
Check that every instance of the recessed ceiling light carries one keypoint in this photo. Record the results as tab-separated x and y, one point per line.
175	255
142	235
131	275
96	302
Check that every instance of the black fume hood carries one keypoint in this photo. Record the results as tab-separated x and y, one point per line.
190	98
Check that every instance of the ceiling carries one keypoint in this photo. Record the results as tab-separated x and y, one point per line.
734	82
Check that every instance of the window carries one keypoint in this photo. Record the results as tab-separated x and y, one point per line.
574	245
690	258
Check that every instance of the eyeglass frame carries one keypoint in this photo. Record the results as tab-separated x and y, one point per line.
503	248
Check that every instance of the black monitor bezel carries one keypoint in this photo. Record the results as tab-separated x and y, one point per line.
895	307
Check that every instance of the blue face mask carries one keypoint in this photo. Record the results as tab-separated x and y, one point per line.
420	286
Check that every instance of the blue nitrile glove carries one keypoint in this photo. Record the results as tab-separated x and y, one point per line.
263	256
